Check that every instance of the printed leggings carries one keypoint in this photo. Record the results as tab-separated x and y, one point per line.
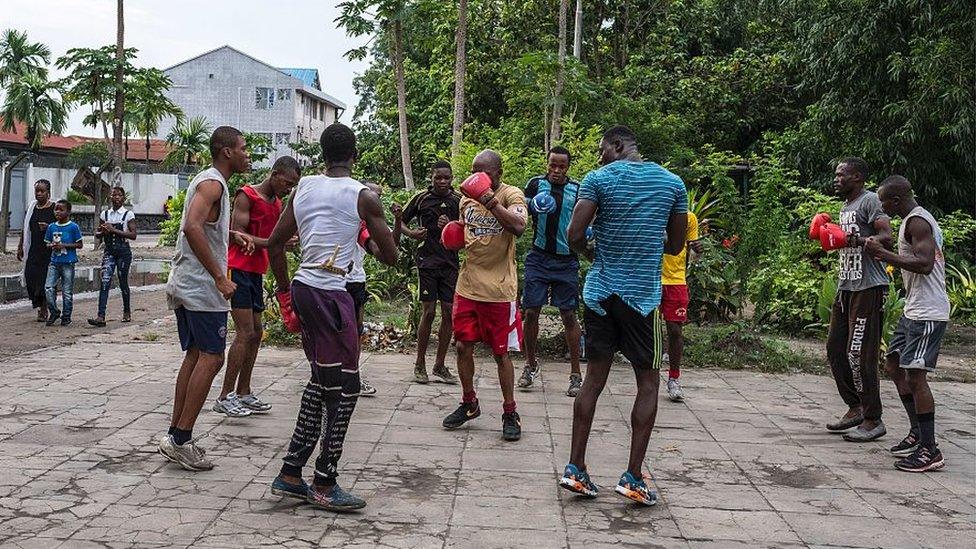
112	263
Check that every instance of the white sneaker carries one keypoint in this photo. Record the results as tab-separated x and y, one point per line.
231	406
674	390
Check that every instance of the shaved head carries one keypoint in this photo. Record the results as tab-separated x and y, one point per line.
490	162
896	185
896	196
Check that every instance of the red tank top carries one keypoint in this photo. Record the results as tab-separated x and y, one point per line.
264	216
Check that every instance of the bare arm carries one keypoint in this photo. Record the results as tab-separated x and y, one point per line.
510	218
241	216
923	248
677	233
583	215
371	211
283	231
208	195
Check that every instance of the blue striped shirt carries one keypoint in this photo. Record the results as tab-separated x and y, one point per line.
634	202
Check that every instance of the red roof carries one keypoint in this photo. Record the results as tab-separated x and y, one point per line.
64	143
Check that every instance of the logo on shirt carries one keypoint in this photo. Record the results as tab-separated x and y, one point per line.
481	224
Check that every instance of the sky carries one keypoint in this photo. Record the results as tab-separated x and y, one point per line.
283	33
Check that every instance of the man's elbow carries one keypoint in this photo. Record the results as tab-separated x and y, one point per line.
671	249
387	257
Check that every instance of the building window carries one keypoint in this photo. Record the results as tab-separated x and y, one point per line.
284	94
264	98
282	138
322	111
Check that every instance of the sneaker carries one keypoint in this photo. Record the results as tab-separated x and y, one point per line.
254	404
281	488
674	390
41	314
635	489
907	446
97	322
464	413
231	406
444	374
844	424
529	374
188	455
420	374
578	482
126	316
52	318
66	322
575	384
365	389
860	434
511	426
172	457
335	498
923	459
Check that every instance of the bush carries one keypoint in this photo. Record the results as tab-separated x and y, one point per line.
713	285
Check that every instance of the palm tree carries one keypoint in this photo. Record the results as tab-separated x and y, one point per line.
459	69
18	56
38	104
148	104
187	141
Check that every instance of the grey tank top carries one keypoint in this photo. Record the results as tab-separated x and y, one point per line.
190	285
925	295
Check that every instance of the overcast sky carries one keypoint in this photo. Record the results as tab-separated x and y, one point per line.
283	33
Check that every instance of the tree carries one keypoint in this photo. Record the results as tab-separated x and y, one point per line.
553	134
121	60
460	37
148	104
188	140
91	81
18	56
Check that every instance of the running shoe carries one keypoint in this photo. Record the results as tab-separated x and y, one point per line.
334	498
420	374
860	434
365	389
97	322
575	384
231	406
187	456
907	446
529	374
52	318
578	481
922	460
66	322
444	374
674	390
464	413
635	489
511	426
126	316
282	488
254	404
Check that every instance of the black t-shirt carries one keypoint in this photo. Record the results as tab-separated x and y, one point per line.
39	252
426	206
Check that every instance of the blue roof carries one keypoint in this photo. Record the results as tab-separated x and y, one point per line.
310	77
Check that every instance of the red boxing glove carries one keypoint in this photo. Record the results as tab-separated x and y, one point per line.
288	316
452	236
818	221
832	237
478	187
363	235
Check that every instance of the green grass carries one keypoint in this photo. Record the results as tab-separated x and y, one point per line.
738	346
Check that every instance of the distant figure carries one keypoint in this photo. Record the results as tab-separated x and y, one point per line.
117	228
31	249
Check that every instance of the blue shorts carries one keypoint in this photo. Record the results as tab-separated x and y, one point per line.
205	331
250	290
550	279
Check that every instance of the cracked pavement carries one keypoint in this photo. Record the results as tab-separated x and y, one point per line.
743	462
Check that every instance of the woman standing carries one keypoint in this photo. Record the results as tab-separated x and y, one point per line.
31	249
117	228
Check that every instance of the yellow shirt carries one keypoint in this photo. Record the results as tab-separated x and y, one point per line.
673	266
488	272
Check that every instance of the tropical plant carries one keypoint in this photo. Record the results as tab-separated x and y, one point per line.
715	291
19	56
91	81
188	140
961	287
148	104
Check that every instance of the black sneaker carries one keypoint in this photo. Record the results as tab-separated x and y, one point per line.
465	412
924	459
66	322
52	318
907	446
511	426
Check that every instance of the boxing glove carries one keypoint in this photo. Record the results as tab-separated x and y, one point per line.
832	237
478	187
452	236
363	237
817	222
542	203
288	316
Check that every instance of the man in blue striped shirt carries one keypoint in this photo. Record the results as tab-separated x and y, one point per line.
638	211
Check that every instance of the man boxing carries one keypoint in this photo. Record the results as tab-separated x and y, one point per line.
914	349
551	267
494	215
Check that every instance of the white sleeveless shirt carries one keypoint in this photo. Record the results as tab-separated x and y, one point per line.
327	213
925	295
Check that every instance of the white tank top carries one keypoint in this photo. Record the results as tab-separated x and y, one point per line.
925	295
327	213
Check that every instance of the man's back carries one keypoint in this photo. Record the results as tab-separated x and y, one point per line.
327	215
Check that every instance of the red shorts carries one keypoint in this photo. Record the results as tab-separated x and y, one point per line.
674	303
498	325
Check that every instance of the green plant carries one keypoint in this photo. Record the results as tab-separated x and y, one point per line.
169	229
714	288
961	287
738	346
76	197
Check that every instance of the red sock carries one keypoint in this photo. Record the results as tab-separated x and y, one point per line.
469	397
508	407
673	373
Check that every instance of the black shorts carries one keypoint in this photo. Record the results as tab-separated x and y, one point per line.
623	329
358	292
250	290
437	284
202	330
917	343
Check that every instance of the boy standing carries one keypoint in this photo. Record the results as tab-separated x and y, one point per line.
674	305
118	226
63	237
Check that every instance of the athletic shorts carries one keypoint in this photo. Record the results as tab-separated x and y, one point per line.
437	284
623	329
917	343
357	290
550	279
205	331
250	290
496	324
674	303
330	336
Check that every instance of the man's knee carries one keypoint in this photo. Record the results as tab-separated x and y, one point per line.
465	348
428	313
569	319
892	366
916	379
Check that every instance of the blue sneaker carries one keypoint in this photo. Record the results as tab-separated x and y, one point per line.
335	499
281	488
635	489
578	482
